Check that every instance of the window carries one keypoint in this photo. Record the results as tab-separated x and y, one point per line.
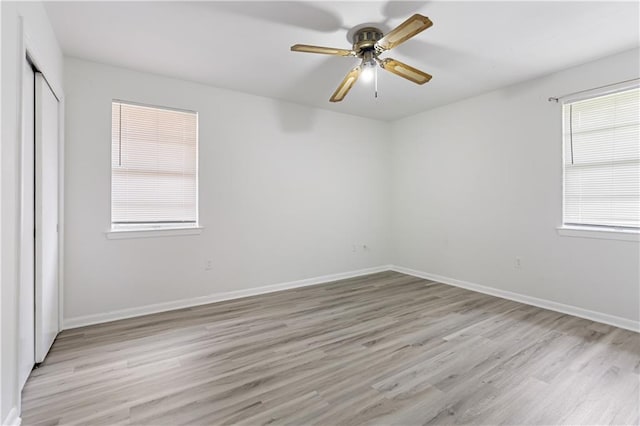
602	161
154	167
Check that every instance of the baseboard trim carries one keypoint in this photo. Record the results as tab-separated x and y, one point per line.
82	321
219	297
528	300
12	418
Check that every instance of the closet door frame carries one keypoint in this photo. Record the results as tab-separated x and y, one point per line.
40	64
26	293
43	62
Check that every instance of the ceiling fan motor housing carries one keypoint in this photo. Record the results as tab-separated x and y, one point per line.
364	40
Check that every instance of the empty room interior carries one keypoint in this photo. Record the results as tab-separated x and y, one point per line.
320	212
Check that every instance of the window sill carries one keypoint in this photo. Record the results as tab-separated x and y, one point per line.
598	233
118	234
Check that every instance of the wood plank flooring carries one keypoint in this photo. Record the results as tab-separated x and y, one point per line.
382	349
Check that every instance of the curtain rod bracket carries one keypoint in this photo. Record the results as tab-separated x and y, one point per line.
552	99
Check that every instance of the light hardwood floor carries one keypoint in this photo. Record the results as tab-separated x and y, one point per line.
381	349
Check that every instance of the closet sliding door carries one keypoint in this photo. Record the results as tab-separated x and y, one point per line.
46	218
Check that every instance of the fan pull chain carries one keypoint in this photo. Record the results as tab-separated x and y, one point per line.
375	78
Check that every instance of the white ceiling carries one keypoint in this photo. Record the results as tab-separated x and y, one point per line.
473	47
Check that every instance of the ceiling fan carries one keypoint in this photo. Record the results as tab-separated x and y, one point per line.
368	44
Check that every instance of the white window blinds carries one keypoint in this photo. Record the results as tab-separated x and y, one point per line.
602	160
154	166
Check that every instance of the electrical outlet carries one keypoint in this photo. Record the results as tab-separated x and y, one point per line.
518	263
208	265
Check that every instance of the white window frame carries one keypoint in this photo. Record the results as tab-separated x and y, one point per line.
586	231
150	230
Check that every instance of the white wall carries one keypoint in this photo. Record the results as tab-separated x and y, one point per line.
41	42
285	191
478	183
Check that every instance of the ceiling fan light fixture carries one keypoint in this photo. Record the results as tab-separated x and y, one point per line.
368	66
368	72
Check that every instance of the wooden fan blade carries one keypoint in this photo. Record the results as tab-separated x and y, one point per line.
405	71
346	85
323	50
403	32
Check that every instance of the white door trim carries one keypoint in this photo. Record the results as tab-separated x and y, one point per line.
26	272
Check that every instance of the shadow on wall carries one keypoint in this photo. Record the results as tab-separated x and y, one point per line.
294	118
320	81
